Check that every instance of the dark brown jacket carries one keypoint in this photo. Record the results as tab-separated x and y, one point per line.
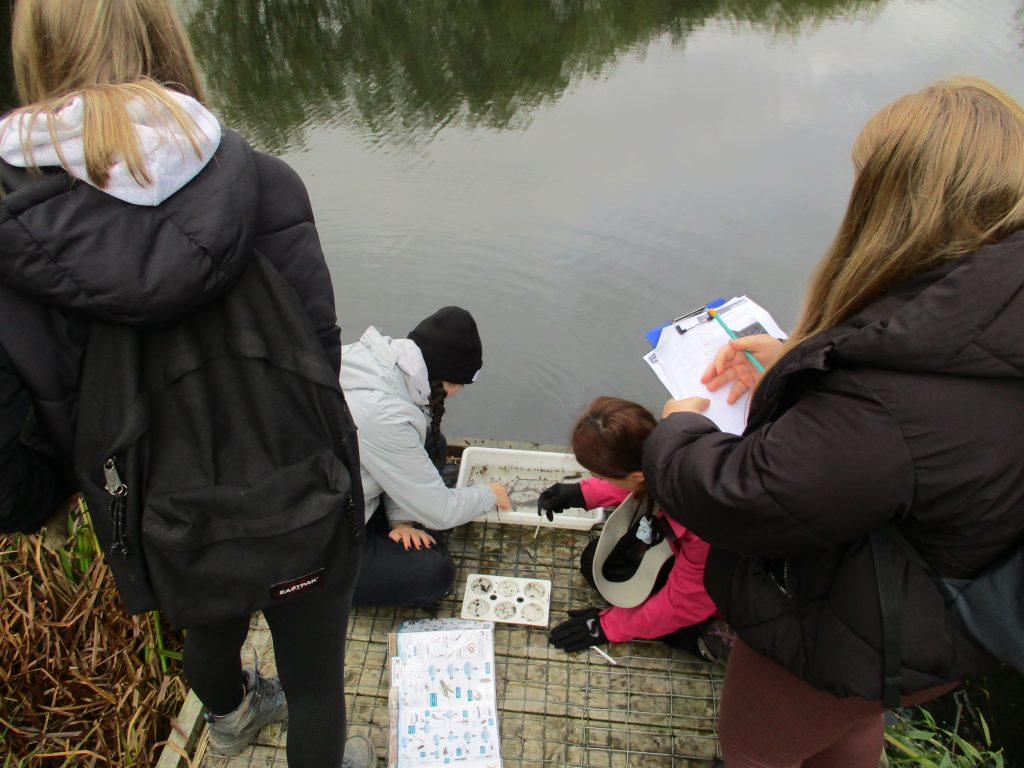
913	411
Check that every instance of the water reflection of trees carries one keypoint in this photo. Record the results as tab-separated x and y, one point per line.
404	69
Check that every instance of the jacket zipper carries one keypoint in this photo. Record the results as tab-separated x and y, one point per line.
118	507
784	587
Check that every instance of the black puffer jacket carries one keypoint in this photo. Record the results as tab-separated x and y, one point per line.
913	411
70	254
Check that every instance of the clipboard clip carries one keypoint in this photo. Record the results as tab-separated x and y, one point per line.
691	319
687	321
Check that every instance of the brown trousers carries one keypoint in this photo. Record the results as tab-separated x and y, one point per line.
772	719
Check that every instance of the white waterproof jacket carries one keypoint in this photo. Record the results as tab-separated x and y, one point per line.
388	409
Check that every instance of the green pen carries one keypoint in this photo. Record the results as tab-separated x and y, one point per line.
728	330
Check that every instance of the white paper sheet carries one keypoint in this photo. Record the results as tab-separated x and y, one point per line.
680	359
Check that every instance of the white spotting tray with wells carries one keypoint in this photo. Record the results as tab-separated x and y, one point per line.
506	599
525	474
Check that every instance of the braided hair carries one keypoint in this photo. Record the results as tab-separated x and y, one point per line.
436	404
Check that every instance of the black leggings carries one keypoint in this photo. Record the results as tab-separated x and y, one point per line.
309	647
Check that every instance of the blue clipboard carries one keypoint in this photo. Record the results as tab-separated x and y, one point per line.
655	333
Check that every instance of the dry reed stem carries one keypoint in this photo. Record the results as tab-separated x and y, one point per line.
82	681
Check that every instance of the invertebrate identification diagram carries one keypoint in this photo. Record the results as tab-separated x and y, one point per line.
444	685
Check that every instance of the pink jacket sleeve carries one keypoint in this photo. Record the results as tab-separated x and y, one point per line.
601	493
682	602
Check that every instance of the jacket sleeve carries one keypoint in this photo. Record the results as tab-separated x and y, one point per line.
682	602
601	493
391	451
31	487
288	237
830	469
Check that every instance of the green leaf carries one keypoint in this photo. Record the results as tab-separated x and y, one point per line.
984	728
969	749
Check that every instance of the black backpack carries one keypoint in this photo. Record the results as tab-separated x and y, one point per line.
218	458
990	606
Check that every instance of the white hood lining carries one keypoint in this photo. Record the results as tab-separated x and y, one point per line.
165	148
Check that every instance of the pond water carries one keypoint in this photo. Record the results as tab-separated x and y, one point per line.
575	173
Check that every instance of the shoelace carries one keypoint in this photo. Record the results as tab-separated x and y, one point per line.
263	687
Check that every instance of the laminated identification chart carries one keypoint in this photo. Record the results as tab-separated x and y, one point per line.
442	686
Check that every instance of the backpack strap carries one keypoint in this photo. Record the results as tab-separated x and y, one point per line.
890	599
988	605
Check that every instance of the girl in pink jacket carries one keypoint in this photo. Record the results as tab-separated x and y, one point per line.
608	441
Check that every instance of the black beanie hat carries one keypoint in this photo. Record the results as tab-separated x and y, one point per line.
450	345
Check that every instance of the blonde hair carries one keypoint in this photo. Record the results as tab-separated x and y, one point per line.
110	53
939	174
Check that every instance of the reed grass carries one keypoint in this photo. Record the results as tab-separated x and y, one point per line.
84	684
917	740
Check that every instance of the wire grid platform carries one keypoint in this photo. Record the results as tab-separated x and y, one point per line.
656	707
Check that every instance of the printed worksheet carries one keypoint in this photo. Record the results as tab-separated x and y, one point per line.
444	696
684	352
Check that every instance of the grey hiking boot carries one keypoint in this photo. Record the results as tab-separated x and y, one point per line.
262	704
359	753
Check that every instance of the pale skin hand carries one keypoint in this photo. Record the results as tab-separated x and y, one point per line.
731	365
502	495
410	537
686	405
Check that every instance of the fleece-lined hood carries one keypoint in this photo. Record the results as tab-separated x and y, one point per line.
67	244
166	149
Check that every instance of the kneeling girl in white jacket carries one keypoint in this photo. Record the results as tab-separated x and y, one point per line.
392	386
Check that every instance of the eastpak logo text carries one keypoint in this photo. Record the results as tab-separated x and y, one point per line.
295	586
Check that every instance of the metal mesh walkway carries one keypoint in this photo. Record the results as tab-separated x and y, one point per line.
656	707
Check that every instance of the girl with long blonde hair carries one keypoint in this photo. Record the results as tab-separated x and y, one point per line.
897	401
124	201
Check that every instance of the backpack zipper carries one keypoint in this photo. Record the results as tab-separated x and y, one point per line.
118	507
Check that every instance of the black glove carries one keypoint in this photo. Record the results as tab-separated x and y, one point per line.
558	498
581	630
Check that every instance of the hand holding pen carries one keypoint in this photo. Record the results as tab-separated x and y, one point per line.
741	362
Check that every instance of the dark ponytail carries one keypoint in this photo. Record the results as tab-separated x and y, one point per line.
436	405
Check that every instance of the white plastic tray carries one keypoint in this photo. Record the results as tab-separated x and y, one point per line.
506	599
525	474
